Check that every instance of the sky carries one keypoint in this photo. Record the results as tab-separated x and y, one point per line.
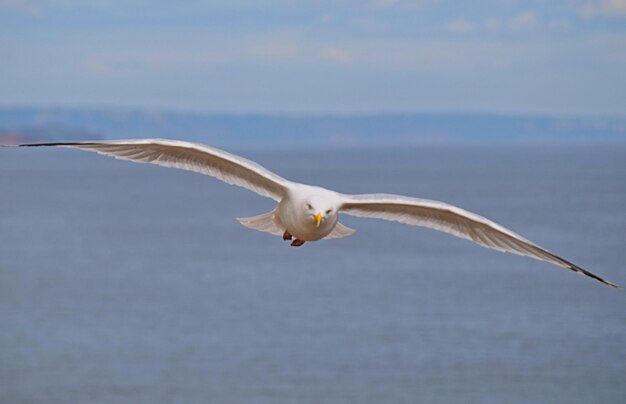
546	57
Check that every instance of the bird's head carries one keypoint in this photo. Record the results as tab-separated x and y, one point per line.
320	210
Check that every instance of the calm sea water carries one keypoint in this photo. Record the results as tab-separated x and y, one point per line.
125	283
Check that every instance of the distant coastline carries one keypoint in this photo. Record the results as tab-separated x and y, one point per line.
18	125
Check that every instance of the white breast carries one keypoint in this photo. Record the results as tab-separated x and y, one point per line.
292	213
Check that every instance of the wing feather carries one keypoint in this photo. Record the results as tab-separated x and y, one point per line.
453	220
202	159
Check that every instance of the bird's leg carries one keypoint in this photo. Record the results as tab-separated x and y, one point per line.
297	242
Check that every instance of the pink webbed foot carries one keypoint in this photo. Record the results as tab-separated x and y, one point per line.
287	235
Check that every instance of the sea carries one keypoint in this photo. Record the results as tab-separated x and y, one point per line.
131	283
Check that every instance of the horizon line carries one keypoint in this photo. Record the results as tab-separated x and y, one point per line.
313	113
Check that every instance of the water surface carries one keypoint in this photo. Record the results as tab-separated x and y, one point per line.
129	283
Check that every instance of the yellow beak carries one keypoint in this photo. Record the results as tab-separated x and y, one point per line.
318	219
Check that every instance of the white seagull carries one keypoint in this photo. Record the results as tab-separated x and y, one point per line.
311	213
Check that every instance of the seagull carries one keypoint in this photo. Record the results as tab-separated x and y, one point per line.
311	213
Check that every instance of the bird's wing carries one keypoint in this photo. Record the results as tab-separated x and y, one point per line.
456	221
195	157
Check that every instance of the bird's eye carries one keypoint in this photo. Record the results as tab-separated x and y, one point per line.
308	206
328	211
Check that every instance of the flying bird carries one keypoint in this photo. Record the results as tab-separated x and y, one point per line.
310	213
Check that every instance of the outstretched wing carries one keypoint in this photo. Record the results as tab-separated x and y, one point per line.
195	157
456	221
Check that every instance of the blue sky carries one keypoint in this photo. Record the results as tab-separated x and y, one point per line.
539	56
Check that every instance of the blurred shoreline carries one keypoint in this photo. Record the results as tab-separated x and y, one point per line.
33	124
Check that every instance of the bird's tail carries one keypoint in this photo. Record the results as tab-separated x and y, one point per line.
267	222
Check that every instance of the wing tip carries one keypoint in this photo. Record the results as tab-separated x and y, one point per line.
53	144
614	285
581	271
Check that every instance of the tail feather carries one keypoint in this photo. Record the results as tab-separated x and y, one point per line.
340	231
267	222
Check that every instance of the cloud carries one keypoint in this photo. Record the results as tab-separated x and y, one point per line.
401	4
334	54
290	49
460	25
387	53
523	22
96	67
366	24
433	55
560	24
492	23
29	7
383	3
606	8
276	50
